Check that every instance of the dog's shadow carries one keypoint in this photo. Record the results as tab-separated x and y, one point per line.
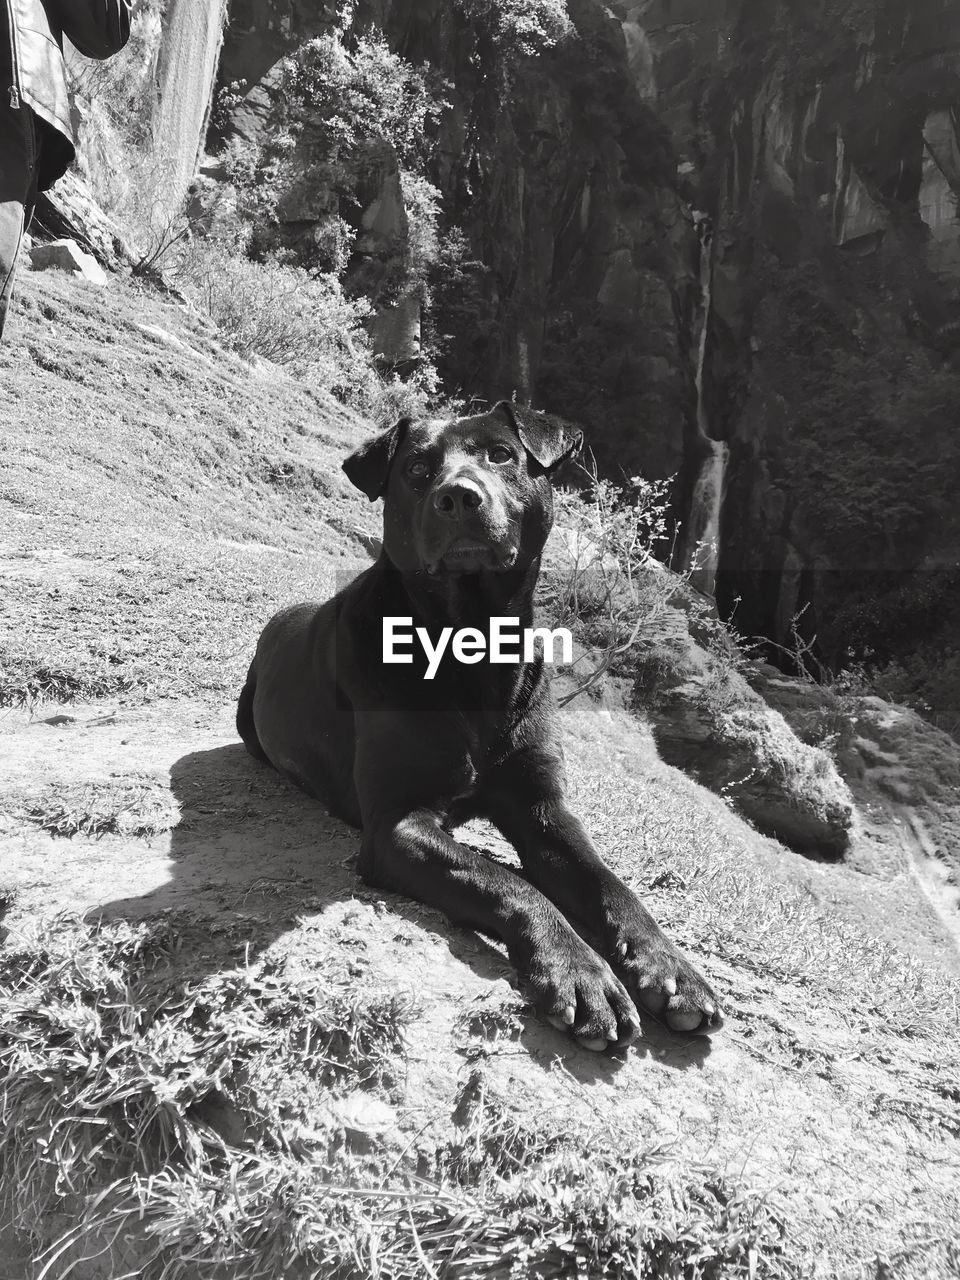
251	858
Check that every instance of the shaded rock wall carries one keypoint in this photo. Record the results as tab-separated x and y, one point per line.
831	173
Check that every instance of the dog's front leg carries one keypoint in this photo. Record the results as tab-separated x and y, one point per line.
526	801
562	976
405	848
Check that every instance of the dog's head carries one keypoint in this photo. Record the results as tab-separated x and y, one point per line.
466	494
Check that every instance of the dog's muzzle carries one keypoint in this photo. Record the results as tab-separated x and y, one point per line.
462	530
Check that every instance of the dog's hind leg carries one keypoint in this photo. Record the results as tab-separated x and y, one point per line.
245	725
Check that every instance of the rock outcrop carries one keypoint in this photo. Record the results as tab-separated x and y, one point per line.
66	255
710	723
69	212
186	68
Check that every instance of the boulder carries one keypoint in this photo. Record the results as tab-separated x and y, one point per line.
69	212
66	255
709	722
689	682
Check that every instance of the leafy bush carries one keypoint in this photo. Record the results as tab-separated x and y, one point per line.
303	321
422	202
636	618
621	603
344	108
330	100
611	534
349	93
462	324
279	312
519	28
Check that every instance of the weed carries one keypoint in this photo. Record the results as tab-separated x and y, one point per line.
611	588
519	28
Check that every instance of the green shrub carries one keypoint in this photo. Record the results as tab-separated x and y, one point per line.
347	94
281	313
341	103
518	28
422	202
303	321
610	589
329	100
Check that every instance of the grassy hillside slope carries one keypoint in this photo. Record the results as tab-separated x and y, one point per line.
222	1055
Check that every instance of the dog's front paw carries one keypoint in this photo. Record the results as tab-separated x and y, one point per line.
657	975
575	989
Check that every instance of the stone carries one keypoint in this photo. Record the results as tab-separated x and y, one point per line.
66	255
366	1123
161	336
68	211
708	721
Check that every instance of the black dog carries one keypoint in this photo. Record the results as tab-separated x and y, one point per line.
468	506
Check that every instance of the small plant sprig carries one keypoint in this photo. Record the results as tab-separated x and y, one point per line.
613	587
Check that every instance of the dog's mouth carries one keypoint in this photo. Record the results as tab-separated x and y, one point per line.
470	555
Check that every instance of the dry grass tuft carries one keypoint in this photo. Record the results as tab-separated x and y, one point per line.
96	810
28	681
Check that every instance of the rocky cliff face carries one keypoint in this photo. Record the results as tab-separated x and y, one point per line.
831	173
724	237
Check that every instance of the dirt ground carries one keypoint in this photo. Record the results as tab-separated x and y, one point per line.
157	501
854	1129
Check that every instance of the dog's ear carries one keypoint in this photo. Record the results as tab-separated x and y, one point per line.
369	466
549	440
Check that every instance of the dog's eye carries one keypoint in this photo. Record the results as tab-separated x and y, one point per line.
500	453
418	468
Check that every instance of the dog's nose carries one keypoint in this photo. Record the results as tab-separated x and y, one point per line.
457	498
